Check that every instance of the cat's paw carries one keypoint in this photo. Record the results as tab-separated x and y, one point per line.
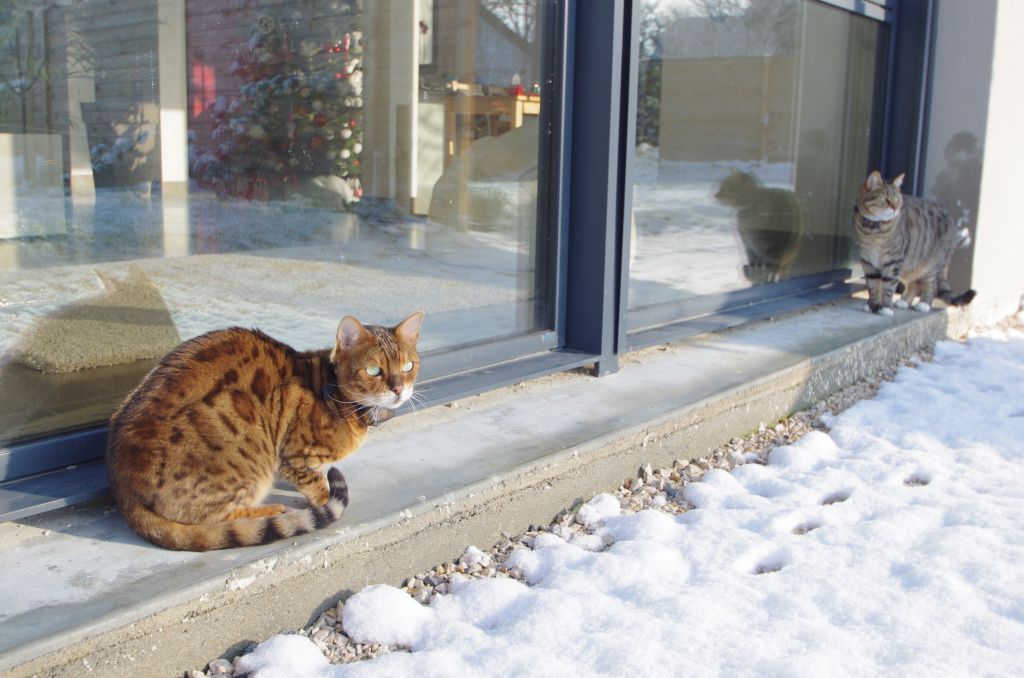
922	307
885	310
868	309
901	304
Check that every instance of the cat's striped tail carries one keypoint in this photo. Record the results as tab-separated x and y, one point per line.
242	531
963	240
946	294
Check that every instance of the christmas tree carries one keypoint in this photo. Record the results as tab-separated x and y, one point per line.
297	117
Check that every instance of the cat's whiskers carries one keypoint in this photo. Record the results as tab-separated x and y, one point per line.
342	402
417	398
338	400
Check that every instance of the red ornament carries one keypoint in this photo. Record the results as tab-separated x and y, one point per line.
320	120
347	41
352	122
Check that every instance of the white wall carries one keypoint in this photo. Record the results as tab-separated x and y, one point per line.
998	269
975	144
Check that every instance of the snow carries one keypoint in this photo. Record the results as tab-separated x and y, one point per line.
284	657
597	509
384	614
889	546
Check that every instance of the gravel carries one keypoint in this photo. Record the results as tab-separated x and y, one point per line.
651	488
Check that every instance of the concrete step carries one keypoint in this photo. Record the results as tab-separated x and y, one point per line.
85	594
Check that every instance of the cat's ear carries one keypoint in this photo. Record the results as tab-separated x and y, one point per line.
874	181
350	332
898	181
409	329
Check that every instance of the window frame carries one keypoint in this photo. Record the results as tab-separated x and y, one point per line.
647	325
583	243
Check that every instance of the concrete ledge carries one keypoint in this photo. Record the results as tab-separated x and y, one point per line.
87	595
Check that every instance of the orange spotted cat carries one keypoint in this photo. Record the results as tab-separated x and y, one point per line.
197	445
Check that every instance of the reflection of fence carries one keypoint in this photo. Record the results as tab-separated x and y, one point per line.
735	108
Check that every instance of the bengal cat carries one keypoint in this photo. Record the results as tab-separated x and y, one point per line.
195	448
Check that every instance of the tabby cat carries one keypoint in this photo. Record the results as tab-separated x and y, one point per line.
197	445
905	245
770	222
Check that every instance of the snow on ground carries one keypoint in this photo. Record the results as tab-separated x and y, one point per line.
890	546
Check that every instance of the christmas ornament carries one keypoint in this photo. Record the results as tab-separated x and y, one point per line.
266	24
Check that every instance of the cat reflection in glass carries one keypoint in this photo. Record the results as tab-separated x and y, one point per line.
770	222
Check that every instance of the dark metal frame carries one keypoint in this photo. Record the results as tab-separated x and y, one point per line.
596	195
584	203
911	57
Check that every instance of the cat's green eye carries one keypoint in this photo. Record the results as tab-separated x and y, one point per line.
373	371
407	367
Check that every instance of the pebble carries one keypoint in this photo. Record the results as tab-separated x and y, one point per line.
221	667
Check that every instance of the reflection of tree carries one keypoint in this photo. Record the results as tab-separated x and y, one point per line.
37	49
22	53
720	10
519	16
648	110
779	20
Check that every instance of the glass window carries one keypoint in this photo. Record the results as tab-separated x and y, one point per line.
754	129
172	167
